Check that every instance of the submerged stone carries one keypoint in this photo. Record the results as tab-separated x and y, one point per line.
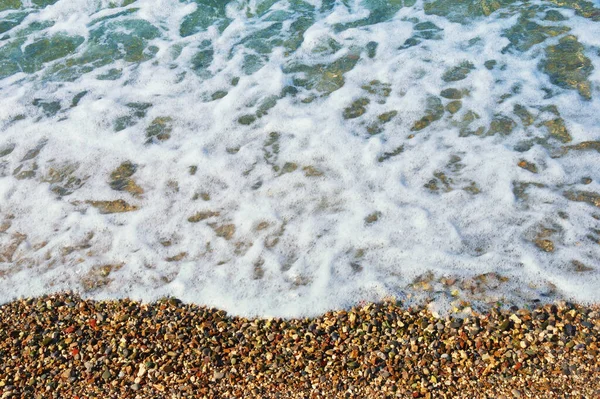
137	111
391	154
490	64
43	3
501	125
589	197
63	180
271	149
523	114
260	7
7	149
520	189
11	20
225	231
372	49
325	78
311	171
568	67
110	40
217	95
377	88
557	129
580	267
458	72
288	167
50	108
526	34
554	16
372	218
527	166
454	106
202	60
472	188
23	172
121	179
246	119
266	105
434	111
108	207
265	40
584	8
387	116
77	98
208	13
97	277
111	74
433	185
585	146
200	216
423	31
160	129
10	5
35	151
451	94
33	56
463	10
356	109
253	63
468	118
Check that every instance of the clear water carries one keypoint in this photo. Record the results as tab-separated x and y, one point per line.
286	157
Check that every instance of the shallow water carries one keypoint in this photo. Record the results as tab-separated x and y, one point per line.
286	157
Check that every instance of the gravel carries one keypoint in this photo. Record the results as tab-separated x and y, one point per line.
61	346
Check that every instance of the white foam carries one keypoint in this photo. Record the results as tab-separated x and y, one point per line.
317	247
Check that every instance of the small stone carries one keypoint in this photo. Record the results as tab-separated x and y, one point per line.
217	375
454	106
108	207
352	365
544	245
288	167
225	231
199	216
557	129
160	129
356	109
451	94
456	323
527	166
570	330
246	119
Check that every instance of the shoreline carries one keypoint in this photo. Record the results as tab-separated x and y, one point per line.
66	347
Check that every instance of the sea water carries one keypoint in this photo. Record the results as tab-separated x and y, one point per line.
287	157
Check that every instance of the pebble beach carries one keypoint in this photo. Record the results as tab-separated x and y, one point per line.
299	199
63	346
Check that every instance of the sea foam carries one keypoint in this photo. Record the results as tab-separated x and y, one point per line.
287	157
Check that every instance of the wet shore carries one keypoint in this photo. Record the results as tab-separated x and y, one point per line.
65	347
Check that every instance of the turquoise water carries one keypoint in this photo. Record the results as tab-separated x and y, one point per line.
285	157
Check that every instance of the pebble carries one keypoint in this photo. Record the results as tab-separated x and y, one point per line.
172	349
